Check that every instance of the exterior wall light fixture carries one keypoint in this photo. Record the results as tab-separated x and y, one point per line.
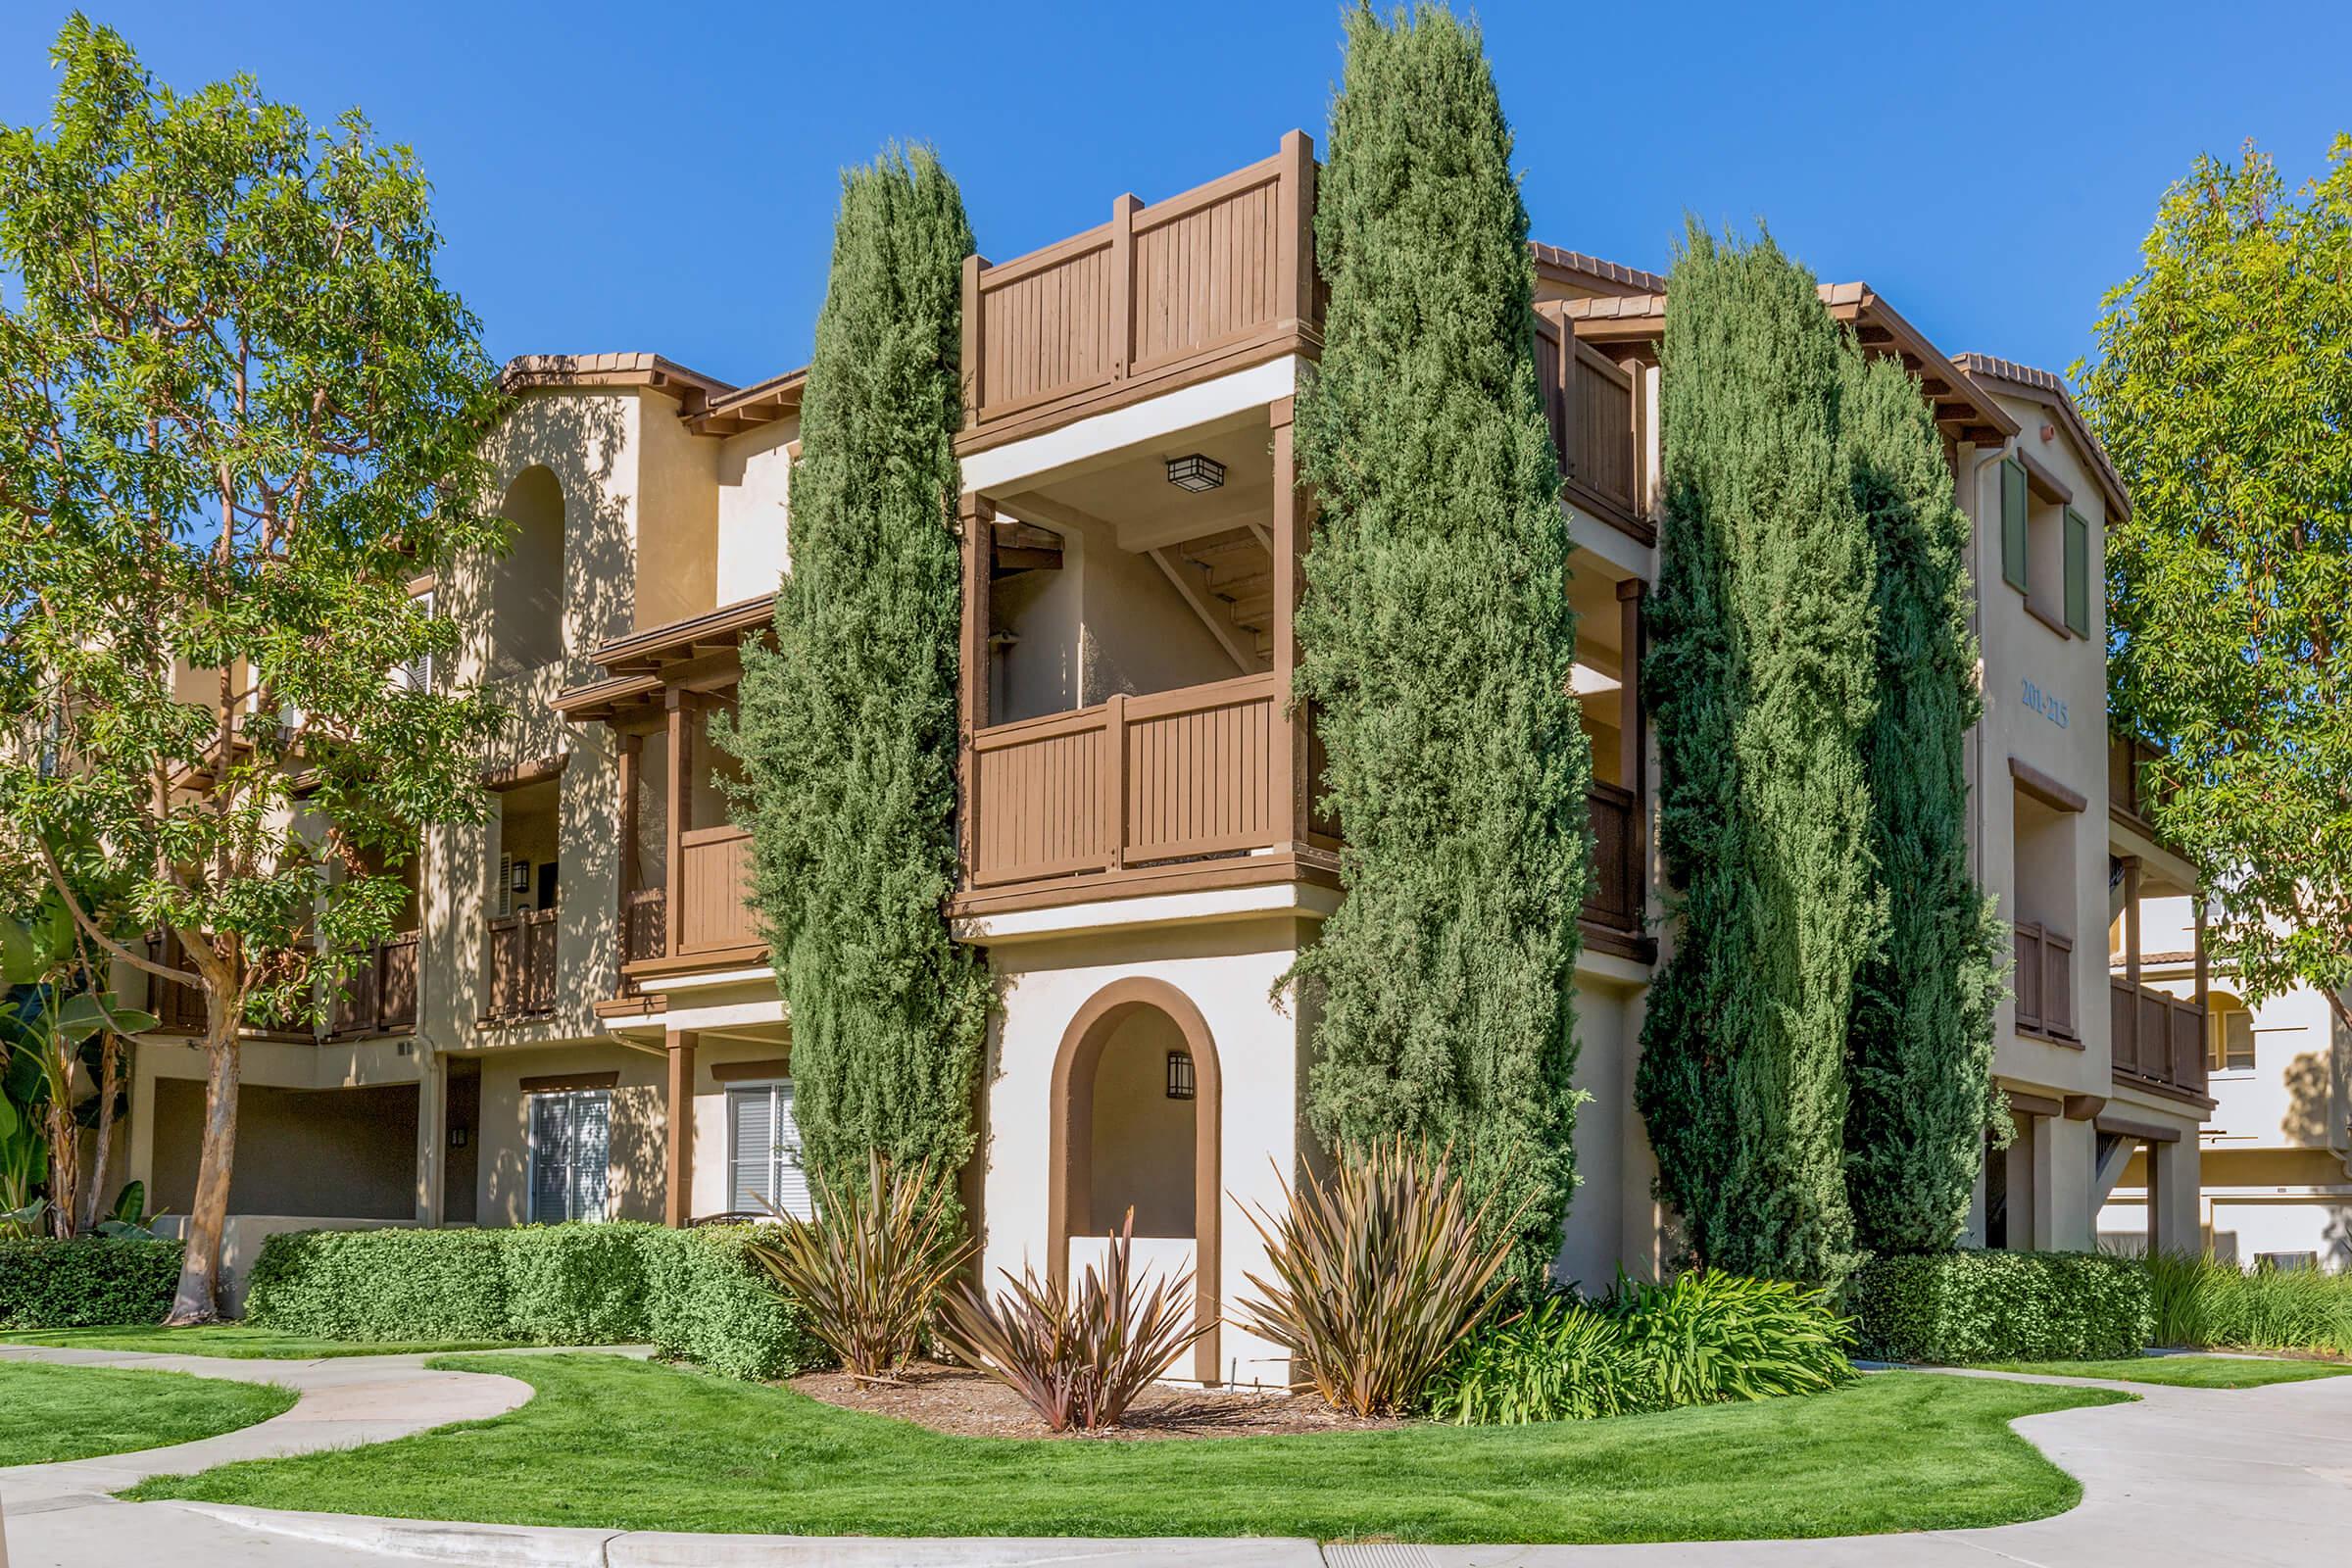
1180	1075
1196	472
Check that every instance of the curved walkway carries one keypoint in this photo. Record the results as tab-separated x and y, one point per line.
2254	1477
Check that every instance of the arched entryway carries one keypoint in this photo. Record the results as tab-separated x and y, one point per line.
1126	1131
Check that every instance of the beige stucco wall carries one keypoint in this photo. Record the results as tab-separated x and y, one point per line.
502	1182
755	497
1228	971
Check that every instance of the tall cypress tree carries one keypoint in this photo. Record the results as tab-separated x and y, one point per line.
1920	1046
1761	681
1436	639
847	727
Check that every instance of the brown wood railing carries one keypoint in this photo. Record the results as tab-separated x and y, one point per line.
643	924
716	882
523	966
2045	982
2156	1037
178	1007
1616	897
381	997
1169	776
1590	401
1205	277
2125	758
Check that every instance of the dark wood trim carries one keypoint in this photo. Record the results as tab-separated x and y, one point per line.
2084	1107
680	707
1135	882
2203	1103
737	958
1260	348
2130	1126
536	771
760	1069
556	1083
1070	1158
1599	938
678	1133
2045	789
2033	1104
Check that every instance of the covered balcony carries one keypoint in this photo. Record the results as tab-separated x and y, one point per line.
685	866
2157	1031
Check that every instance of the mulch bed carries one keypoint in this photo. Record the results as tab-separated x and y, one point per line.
967	1404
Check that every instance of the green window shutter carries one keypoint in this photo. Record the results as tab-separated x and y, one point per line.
2078	573
2013	523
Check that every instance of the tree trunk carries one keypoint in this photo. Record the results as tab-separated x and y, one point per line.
197	1300
65	1169
110	1057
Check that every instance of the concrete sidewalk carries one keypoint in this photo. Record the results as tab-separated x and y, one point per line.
2258	1477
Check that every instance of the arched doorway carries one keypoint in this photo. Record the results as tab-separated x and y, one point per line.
1125	1132
527	584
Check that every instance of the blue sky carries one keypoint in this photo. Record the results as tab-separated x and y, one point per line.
635	176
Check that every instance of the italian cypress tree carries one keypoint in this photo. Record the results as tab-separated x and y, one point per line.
1760	681
1437	640
1920	1047
848	729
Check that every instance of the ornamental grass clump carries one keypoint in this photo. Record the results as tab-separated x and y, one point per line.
1709	1337
870	1268
1077	1355
1379	1274
2203	1301
1562	1360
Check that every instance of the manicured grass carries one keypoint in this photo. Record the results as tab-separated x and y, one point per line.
623	1444
236	1341
49	1413
2184	1371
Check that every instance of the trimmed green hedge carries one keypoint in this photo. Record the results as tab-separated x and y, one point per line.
92	1281
2002	1306
693	1293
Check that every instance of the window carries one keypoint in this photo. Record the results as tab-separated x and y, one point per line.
571	1155
763	1152
2228	1034
2045	546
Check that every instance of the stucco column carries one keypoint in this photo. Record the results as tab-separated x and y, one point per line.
2175	1198
677	1207
138	1143
2065	1167
433	1119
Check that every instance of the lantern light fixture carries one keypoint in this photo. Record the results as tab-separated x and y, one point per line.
1180	1075
1197	472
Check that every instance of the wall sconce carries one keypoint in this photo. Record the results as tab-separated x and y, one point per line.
1180	1075
1196	472
457	1138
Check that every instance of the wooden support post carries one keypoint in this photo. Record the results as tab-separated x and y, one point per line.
1113	773
677	1209
976	519
1294	231
1293	785
973	387
632	758
1122	284
673	869
1632	751
2204	1011
2131	930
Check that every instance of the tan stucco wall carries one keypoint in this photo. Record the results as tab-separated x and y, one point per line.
502	1157
332	1152
754	495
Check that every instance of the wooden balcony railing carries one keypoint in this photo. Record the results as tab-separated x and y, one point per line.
1616	897
1590	401
178	1007
2156	1038
381	997
2045	982
715	890
1174	775
1209	279
2125	758
522	966
643	924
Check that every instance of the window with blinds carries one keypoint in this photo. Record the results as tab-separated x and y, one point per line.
763	1152
571	1156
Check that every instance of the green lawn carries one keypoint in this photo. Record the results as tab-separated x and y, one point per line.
49	1412
623	1444
2184	1371
236	1340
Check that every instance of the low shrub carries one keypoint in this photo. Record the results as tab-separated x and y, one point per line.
389	1284
709	1300
1077	1355
91	1281
1710	1338
2002	1306
693	1293
1562	1360
2203	1301
1706	1339
870	1266
1377	1274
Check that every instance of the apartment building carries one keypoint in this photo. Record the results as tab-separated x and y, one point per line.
2277	1161
585	1022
